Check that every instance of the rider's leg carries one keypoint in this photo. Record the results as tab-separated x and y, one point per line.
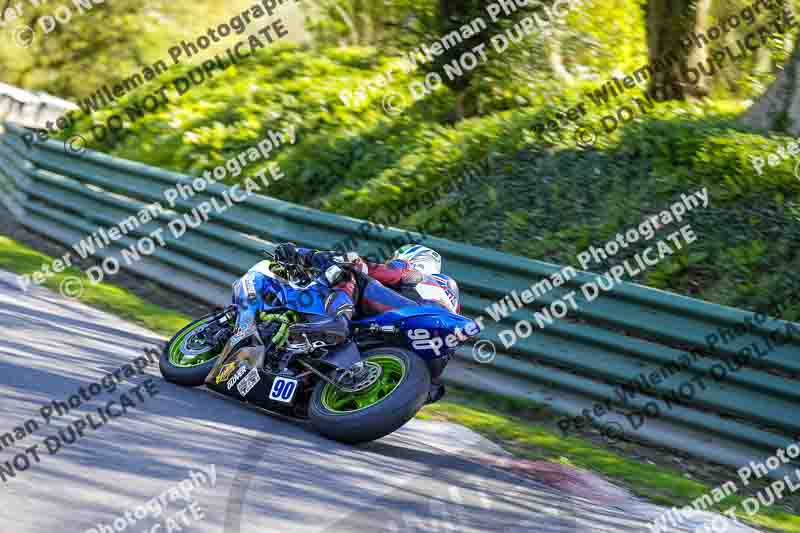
335	328
373	297
377	298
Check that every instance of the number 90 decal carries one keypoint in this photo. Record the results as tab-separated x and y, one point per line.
422	340
283	390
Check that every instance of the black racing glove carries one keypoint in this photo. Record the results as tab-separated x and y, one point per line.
286	253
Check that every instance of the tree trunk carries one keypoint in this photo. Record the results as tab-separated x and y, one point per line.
355	38
668	22
460	110
763	60
553	44
451	15
779	107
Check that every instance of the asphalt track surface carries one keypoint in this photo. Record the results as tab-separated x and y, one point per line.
272	475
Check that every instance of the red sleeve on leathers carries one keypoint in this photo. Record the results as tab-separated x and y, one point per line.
393	274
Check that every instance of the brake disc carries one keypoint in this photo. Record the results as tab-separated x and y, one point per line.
361	378
196	343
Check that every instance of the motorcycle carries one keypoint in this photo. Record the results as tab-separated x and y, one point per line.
352	390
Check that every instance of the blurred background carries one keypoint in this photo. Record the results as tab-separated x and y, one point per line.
368	148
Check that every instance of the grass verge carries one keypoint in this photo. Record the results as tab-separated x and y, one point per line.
528	433
17	258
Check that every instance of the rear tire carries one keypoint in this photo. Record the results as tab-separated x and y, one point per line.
381	418
187	376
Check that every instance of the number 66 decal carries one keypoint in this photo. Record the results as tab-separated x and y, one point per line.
283	390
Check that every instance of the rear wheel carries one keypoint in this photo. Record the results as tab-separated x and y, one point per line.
190	355
383	393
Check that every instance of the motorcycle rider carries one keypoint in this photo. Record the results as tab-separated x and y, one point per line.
372	288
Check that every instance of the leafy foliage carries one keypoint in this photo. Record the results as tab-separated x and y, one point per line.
546	199
76	47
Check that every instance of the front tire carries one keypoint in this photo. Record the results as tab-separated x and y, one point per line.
173	363
394	399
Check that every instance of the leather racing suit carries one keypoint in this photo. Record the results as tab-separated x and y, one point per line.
374	288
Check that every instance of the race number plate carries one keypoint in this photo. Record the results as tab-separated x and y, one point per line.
283	390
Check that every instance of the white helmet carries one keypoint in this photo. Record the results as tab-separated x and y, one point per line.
420	257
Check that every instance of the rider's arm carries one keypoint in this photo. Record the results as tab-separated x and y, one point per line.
391	274
323	259
394	273
316	258
306	255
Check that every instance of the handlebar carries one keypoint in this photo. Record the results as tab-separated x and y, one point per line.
294	272
305	274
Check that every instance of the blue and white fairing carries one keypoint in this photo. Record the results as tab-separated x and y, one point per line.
262	290
429	331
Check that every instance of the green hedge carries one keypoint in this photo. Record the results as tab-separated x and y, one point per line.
542	198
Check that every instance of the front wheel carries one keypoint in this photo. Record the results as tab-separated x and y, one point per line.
388	389
190	355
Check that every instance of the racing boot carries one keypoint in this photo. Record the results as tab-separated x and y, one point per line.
328	331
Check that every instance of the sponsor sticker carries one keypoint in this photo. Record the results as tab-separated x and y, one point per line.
225	372
236	377
249	381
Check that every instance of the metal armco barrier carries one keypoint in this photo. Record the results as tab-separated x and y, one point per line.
574	366
28	109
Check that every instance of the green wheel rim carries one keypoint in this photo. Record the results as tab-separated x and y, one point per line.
176	354
393	371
